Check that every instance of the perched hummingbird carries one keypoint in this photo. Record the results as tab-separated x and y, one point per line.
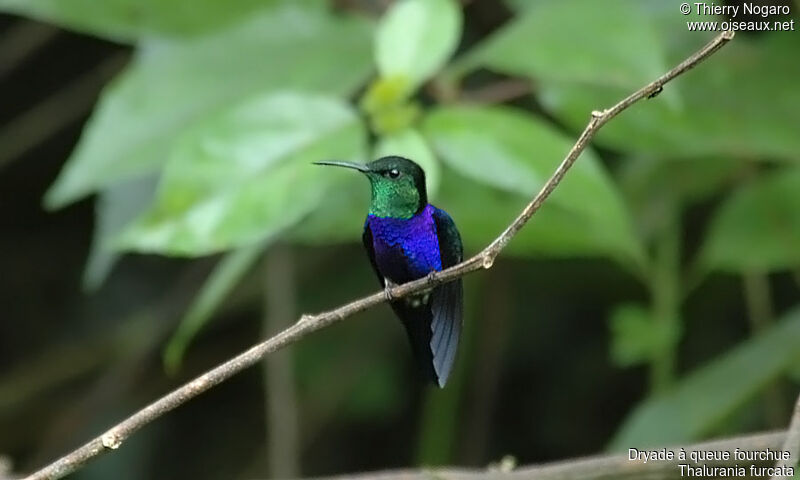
407	238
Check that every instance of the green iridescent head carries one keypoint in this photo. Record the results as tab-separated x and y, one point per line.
398	186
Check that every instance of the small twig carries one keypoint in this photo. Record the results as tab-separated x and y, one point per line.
792	442
113	438
498	92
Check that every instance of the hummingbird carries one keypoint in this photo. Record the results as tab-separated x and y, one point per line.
406	238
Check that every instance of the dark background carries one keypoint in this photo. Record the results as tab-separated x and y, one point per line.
537	382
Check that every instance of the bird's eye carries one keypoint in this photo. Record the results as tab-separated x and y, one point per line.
393	173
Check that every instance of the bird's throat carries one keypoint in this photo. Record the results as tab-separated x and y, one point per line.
394	201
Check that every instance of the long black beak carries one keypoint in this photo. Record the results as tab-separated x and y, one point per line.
354	166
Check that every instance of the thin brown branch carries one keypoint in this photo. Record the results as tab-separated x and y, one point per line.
113	438
610	467
792	442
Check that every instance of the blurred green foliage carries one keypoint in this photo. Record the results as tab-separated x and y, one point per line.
173	85
763	213
227	107
637	337
243	175
134	20
523	151
622	51
706	397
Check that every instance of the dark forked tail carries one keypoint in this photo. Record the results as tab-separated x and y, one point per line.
433	329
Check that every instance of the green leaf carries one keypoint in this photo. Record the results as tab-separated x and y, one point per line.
128	20
115	207
340	219
685	181
245	174
227	273
637	338
621	50
758	226
395	118
707	121
705	397
416	37
515	152
728	104
483	212
171	84
654	186
410	144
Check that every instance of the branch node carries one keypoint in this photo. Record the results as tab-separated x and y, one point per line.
387	292
598	114
658	89
430	278
728	34
488	261
111	440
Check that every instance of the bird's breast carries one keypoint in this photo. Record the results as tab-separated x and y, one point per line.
405	249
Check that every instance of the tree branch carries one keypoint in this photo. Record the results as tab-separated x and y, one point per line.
610	467
113	438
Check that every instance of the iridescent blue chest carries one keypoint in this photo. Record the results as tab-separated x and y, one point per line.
405	249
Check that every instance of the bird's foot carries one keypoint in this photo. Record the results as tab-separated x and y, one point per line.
388	285
431	277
